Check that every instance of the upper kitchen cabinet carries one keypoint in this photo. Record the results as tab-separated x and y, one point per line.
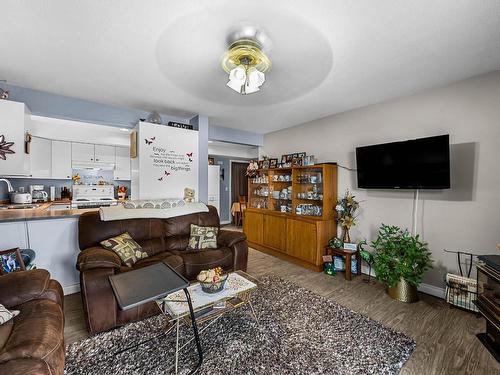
40	157
83	152
61	160
122	167
89	153
14	120
104	154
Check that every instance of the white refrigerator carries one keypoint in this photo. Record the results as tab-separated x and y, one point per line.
214	186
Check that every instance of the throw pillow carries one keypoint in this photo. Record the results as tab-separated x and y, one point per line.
202	237
127	249
6	315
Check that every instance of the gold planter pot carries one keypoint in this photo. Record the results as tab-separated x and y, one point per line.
403	292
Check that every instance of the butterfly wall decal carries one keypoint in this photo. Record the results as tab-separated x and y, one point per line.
167	173
148	142
190	155
160	179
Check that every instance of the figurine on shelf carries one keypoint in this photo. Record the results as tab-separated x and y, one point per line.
76	179
252	168
122	192
189	195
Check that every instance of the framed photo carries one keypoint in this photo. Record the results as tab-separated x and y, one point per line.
297	162
301	155
284	159
265	164
11	261
289	158
211	161
261	164
273	163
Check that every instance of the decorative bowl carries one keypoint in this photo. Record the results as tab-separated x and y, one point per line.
214	287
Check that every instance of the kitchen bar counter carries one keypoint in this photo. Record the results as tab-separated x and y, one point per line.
42	212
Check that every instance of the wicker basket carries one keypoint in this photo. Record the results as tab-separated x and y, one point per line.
214	287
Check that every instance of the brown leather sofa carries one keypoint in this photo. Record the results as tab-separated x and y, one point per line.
165	240
33	342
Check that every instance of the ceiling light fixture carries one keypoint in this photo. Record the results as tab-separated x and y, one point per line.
246	62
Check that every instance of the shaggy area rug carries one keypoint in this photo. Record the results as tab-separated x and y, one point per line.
299	333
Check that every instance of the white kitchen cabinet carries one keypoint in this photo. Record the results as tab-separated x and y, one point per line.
122	166
104	154
14	120
83	152
61	160
40	157
55	242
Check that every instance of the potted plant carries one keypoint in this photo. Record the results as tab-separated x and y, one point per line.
346	206
400	261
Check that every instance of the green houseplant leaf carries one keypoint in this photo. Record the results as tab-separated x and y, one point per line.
399	255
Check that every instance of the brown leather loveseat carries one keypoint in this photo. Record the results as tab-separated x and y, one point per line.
33	342
165	240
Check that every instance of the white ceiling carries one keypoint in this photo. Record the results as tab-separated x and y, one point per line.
328	56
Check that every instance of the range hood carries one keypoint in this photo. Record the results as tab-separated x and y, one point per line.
93	166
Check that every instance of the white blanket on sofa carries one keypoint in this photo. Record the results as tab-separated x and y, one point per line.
121	213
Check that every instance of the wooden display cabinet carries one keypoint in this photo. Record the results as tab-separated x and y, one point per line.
291	212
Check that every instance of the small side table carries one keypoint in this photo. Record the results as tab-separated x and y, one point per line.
348	254
150	283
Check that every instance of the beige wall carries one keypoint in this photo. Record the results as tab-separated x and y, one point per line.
467	217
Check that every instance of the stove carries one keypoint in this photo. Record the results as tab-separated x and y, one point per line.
93	196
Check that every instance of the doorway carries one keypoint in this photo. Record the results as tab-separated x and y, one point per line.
239	182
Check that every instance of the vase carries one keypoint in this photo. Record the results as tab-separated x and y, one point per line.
403	292
346	237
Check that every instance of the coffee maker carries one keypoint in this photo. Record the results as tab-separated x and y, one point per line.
38	194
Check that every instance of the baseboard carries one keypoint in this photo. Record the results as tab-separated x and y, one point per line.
424	288
71	289
432	290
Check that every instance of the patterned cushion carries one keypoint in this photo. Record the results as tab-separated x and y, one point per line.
6	315
203	238
157	203
127	249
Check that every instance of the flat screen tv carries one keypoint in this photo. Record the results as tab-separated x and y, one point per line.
422	163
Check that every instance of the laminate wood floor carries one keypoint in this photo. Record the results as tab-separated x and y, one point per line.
446	341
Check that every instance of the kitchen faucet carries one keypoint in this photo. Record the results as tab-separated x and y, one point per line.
9	185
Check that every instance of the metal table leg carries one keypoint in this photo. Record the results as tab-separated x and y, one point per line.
195	331
177	347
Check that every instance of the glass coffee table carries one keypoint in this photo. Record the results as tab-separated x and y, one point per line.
207	307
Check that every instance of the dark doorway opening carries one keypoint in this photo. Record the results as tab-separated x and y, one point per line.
239	182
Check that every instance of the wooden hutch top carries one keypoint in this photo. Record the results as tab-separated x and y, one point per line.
307	192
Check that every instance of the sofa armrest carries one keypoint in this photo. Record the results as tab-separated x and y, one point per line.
228	238
97	257
236	241
23	286
54	292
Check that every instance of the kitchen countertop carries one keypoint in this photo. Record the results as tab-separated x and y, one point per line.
42	213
